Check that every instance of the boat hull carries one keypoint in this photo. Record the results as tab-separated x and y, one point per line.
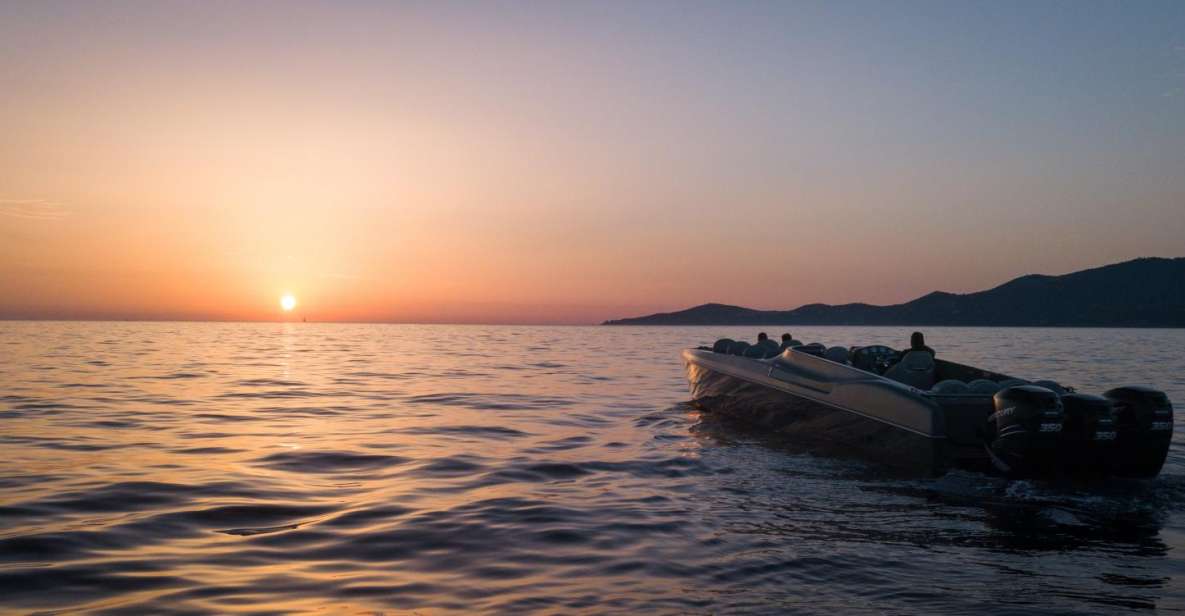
1018	431
811	419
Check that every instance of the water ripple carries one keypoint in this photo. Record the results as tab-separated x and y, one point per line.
184	468
328	461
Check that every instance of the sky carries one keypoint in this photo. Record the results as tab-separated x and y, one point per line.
564	162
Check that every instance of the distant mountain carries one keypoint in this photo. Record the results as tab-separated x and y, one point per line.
1146	292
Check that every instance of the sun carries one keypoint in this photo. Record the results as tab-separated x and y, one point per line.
287	302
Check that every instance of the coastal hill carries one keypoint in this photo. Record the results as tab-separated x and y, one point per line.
1147	292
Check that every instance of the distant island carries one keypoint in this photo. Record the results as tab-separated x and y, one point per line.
1147	292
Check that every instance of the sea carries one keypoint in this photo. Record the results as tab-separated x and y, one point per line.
284	468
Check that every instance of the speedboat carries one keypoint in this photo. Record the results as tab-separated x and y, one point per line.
911	411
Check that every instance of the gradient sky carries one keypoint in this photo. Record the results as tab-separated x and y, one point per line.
571	162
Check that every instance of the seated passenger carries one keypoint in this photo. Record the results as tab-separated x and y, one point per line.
765	347
917	342
915	369
789	341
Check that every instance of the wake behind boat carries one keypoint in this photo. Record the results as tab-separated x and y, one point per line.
908	409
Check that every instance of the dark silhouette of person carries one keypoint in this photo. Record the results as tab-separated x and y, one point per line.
764	347
789	341
917	342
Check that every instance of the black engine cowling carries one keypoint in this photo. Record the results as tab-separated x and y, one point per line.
1023	434
1088	434
1143	430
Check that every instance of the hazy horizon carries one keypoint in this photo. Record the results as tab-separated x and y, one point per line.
572	162
541	313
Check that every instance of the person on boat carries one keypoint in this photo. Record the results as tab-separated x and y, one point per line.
917	342
764	347
789	341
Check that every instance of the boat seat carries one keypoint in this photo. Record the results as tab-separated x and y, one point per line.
762	349
1051	385
755	350
916	369
813	348
837	354
950	386
983	386
738	347
721	345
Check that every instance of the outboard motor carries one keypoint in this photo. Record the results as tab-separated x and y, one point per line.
1022	435
1143	430
1088	434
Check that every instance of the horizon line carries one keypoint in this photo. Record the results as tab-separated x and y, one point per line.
603	324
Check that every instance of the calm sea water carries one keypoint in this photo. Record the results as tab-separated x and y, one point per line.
197	468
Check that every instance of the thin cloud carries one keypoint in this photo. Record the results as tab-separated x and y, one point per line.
32	209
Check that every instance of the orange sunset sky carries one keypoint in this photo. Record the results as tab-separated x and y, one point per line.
555	163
